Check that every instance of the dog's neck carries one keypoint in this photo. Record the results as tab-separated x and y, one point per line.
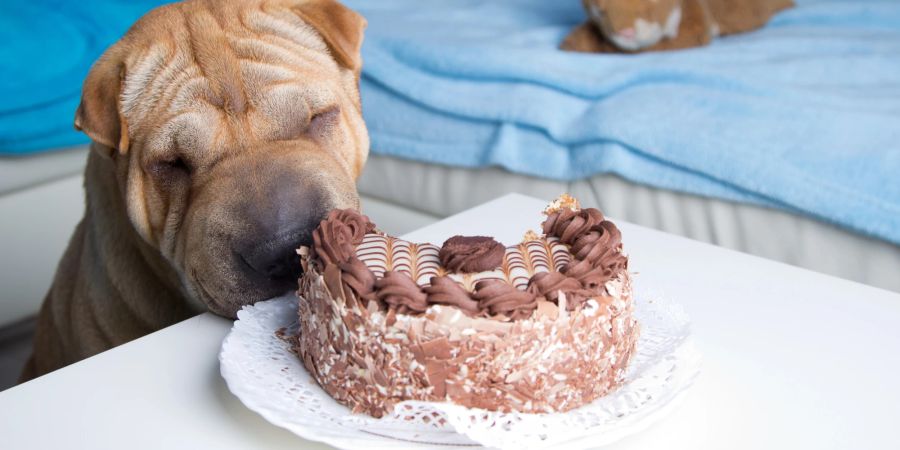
110	287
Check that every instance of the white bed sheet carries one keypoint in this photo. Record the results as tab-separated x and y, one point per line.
774	234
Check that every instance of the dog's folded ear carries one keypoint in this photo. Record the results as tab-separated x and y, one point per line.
99	114
341	27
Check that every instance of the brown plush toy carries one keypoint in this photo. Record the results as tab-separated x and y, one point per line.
647	25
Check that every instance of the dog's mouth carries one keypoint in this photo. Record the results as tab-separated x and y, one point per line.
275	259
241	280
281	274
204	294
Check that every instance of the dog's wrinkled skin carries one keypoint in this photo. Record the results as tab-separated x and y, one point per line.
223	132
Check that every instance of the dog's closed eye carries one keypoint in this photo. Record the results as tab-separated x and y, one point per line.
322	122
170	169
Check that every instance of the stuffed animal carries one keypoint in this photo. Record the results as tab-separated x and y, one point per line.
647	25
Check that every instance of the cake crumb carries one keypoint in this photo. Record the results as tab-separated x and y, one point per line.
564	201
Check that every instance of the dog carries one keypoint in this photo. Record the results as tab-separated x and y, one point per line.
223	132
653	25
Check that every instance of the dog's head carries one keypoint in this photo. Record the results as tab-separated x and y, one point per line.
234	127
633	25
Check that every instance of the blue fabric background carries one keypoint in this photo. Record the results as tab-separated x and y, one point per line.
803	115
47	48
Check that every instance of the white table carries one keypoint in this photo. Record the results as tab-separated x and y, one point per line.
792	359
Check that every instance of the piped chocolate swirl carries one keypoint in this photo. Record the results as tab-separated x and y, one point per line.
568	224
499	298
336	237
400	292
445	291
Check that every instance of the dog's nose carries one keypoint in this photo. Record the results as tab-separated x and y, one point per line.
281	225
276	261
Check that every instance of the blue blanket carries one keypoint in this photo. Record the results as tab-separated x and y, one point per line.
803	115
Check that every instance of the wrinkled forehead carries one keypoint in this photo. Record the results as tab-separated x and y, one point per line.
254	68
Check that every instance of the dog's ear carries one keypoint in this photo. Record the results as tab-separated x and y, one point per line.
99	114
341	27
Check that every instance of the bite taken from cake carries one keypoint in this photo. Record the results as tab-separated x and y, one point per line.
545	325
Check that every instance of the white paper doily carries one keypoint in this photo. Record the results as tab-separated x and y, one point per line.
261	371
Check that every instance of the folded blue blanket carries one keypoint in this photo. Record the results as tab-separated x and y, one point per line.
803	115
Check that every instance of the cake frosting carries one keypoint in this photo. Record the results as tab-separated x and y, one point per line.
541	326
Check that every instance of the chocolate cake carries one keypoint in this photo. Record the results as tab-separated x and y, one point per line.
542	326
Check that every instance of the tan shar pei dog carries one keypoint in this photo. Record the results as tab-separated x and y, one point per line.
223	132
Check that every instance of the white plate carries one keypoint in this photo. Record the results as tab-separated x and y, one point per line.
268	378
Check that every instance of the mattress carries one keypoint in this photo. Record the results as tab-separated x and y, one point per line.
22	172
794	239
